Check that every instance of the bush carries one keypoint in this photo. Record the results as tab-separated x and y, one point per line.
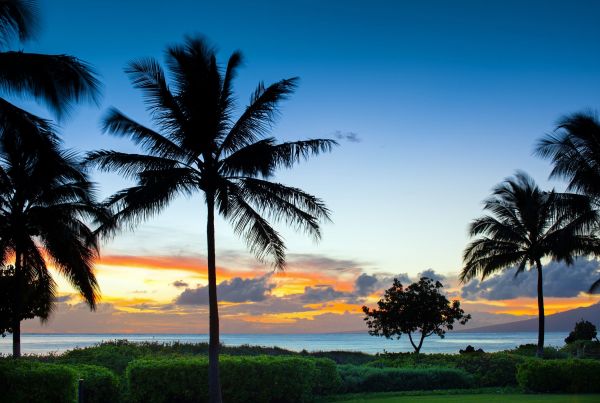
27	381
529	350
570	376
342	357
99	384
368	379
327	378
243	379
496	369
582	349
487	369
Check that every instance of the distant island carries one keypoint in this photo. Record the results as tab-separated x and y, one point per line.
558	322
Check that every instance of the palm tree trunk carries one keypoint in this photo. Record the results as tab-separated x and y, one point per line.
16	325
214	383
540	293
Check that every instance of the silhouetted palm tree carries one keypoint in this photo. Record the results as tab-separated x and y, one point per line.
526	225
56	80
46	201
574	149
201	148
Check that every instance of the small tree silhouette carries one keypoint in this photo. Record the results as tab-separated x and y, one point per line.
584	330
420	307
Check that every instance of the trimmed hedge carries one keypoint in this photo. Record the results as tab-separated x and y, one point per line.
257	379
487	369
368	379
27	381
570	376
100	385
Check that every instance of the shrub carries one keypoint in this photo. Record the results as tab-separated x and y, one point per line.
327	379
342	357
487	369
368	379
112	355
529	350
582	349
497	369
27	381
243	379
571	376
99	384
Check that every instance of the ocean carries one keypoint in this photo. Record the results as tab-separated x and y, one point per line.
452	343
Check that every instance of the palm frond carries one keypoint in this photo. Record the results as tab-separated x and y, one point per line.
56	80
18	18
259	116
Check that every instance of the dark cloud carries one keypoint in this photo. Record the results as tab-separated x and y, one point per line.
560	281
64	298
351	137
180	284
320	293
430	273
234	290
365	284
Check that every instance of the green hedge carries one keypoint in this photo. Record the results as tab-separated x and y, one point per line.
368	379
100	385
27	381
570	376
487	369
243	379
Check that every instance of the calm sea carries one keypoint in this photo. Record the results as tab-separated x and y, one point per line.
46	343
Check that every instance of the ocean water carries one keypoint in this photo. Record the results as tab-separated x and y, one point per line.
490	342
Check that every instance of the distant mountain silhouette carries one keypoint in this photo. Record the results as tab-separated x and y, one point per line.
559	322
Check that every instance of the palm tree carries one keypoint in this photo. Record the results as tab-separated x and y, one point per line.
201	148
46	201
56	80
574	149
526	225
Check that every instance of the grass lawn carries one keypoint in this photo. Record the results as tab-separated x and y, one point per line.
487	398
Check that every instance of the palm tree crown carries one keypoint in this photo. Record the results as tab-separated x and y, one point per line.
200	147
46	203
526	225
574	149
57	80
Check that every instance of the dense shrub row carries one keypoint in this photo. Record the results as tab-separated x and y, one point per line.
27	381
31	381
487	369
370	379
571	376
243	379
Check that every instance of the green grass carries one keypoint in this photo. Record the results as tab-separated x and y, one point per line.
466	398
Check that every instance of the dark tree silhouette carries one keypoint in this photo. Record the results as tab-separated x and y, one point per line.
45	202
584	330
574	149
526	225
419	308
56	80
201	148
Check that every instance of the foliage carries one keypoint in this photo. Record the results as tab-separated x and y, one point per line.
340	357
257	379
100	385
487	369
28	381
421	307
369	379
36	297
584	330
582	349
572	376
327	378
530	350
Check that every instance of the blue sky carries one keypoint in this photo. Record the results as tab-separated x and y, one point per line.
447	99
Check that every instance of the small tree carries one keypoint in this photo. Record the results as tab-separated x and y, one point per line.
583	330
420	308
